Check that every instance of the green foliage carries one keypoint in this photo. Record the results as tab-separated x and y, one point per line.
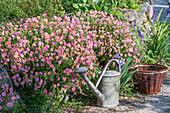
35	103
106	6
126	83
128	4
157	43
74	6
13	10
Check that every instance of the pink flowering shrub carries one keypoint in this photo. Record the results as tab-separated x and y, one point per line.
111	38
42	55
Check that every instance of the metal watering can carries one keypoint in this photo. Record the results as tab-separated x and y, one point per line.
107	85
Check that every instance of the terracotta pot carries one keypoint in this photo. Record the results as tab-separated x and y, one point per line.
149	77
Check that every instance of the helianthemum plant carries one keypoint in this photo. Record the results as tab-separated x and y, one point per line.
42	54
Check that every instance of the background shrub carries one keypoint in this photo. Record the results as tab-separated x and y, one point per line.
14	10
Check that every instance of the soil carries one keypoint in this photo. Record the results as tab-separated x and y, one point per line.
157	103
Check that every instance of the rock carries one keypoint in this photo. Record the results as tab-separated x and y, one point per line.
130	14
134	17
4	77
148	9
138	18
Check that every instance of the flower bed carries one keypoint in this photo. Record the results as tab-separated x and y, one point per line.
42	55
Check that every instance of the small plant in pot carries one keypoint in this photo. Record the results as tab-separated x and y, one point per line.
150	75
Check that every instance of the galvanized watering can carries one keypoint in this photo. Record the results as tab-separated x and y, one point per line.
107	85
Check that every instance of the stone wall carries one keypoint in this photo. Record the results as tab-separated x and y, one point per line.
138	18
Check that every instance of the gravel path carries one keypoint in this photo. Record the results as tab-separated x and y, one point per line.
159	103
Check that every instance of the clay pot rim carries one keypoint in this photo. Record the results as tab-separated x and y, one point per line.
165	69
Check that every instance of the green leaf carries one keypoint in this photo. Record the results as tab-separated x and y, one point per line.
75	6
96	7
159	15
126	75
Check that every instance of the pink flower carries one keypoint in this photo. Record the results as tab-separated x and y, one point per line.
45	91
45	74
17	97
51	65
13	98
78	14
10	104
64	78
31	76
58	84
2	86
35	87
17	75
45	82
3	55
22	55
129	54
37	79
6	85
65	86
36	73
57	57
50	93
43	15
51	79
37	65
54	85
11	89
17	84
73	89
1	99
49	73
16	55
32	72
22	83
60	61
131	49
0	107
29	83
3	93
73	79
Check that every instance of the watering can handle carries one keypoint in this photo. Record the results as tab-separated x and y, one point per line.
104	70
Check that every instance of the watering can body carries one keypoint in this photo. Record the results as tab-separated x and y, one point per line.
107	85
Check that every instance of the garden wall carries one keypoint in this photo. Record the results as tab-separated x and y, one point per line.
138	18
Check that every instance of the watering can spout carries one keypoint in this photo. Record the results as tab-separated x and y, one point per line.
81	71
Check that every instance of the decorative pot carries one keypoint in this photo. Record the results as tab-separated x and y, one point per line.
149	77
